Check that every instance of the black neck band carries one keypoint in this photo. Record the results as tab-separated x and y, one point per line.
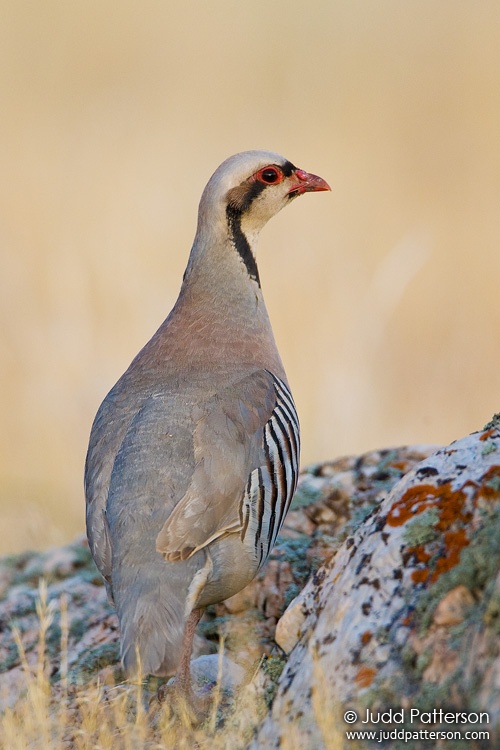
240	242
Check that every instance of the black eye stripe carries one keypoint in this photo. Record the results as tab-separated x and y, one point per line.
287	168
239	200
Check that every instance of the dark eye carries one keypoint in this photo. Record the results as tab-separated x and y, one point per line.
269	175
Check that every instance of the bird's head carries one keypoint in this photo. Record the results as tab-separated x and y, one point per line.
240	197
253	186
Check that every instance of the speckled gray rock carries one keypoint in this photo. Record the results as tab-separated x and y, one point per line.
73	583
406	614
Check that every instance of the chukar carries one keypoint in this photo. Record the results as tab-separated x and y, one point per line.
194	454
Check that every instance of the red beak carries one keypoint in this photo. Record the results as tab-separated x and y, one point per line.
307	183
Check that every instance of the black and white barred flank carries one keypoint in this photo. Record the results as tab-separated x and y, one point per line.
270	488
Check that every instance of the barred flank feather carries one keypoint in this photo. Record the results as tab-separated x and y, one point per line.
270	488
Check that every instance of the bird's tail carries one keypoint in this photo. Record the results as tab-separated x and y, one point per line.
151	626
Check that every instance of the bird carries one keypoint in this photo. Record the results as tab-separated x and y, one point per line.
193	455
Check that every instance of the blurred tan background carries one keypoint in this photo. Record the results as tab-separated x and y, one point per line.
383	294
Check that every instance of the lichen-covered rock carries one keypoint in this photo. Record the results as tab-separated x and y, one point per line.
406	614
72	585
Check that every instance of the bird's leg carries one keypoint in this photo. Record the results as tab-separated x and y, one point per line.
180	691
182	680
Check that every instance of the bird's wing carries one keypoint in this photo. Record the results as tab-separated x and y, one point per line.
110	426
246	451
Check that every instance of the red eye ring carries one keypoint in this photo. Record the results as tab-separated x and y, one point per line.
270	175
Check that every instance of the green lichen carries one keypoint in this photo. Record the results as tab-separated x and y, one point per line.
491	615
272	666
437	695
82	556
489	447
294	551
387	693
408	679
29	567
358	517
78	627
493	483
422	528
409	657
494	422
291	592
479	564
382	635
423	660
16	562
26	599
213	625
10	656
12	567
459	691
305	496
385	470
107	654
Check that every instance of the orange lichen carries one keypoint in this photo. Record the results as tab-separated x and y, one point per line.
423	496
420	555
400	465
415	500
488	433
365	676
490	483
366	637
454	542
451	507
408	620
420	576
455	511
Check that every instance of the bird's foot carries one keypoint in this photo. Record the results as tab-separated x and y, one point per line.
190	707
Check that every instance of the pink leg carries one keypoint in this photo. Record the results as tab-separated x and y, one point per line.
180	693
182	679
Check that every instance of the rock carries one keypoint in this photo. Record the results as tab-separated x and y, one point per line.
452	610
211	669
208	668
398	614
289	626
